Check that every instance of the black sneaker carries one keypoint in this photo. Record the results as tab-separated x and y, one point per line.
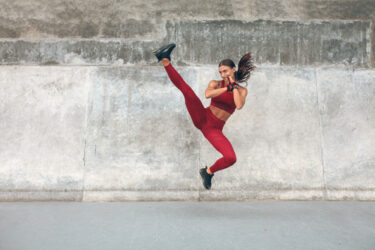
206	177
164	52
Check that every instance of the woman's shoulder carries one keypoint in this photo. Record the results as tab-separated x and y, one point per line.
217	83
242	89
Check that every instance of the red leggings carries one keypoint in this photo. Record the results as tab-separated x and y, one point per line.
205	121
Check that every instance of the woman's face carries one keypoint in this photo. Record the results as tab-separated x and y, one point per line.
226	71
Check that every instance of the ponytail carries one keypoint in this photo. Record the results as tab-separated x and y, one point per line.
245	67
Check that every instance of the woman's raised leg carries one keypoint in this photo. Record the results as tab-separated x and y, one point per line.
193	103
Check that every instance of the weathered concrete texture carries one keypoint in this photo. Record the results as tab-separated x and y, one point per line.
123	133
281	43
207	42
42	113
304	9
100	19
32	28
77	52
338	9
347	106
134	18
372	38
140	136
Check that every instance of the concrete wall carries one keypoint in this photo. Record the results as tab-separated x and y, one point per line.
87	113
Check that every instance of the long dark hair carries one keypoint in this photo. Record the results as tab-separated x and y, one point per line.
245	67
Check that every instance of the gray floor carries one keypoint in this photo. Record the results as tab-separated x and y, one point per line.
187	225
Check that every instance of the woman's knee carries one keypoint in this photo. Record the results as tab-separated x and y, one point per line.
230	159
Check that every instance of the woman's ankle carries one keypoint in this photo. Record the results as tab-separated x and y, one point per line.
209	171
165	62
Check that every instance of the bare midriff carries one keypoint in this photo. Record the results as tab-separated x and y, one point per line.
220	113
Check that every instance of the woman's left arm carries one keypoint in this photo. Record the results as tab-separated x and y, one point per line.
239	97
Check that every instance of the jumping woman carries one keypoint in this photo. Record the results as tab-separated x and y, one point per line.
226	96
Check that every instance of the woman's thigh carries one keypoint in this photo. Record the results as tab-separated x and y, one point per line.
219	141
195	108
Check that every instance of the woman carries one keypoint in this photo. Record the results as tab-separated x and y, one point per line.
226	95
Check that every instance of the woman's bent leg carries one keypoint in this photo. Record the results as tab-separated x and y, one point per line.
193	103
221	144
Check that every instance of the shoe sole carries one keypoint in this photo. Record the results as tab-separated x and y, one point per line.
166	47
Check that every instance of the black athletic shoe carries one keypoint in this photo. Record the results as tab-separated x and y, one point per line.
206	177
164	52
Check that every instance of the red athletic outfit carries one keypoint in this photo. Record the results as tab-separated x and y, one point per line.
224	101
205	120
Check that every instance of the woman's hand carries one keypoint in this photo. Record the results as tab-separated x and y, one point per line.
230	79
232	84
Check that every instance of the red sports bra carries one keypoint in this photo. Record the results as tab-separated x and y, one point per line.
224	101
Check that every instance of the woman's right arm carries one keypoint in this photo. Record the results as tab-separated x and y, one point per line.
213	91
